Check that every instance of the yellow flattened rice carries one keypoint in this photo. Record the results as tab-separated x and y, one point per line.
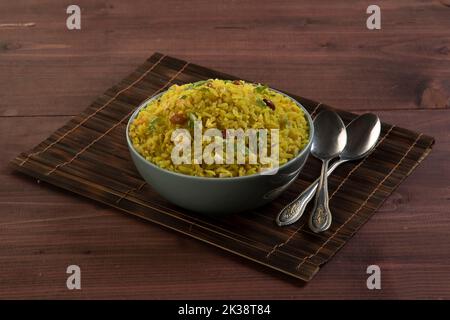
221	104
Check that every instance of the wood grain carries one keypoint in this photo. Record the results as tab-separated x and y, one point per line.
405	65
47	70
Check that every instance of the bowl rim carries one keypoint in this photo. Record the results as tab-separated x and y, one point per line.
144	103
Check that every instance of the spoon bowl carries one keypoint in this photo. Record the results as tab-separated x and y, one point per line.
362	135
330	137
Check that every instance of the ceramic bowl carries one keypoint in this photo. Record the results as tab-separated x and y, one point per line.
217	196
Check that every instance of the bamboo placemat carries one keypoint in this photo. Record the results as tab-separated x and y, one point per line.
89	156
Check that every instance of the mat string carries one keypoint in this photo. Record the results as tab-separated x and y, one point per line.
137	189
315	109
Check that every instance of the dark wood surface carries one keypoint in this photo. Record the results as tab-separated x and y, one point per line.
49	73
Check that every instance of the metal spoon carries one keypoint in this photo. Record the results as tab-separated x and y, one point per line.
329	140
362	136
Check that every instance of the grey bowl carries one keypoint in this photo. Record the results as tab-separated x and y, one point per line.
219	195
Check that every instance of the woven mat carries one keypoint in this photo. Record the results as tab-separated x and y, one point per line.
89	156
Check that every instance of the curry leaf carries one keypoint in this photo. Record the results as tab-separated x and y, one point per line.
260	88
191	121
199	83
152	124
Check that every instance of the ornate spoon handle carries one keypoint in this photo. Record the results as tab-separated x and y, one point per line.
320	219
294	210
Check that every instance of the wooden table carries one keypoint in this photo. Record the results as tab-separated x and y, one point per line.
321	50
